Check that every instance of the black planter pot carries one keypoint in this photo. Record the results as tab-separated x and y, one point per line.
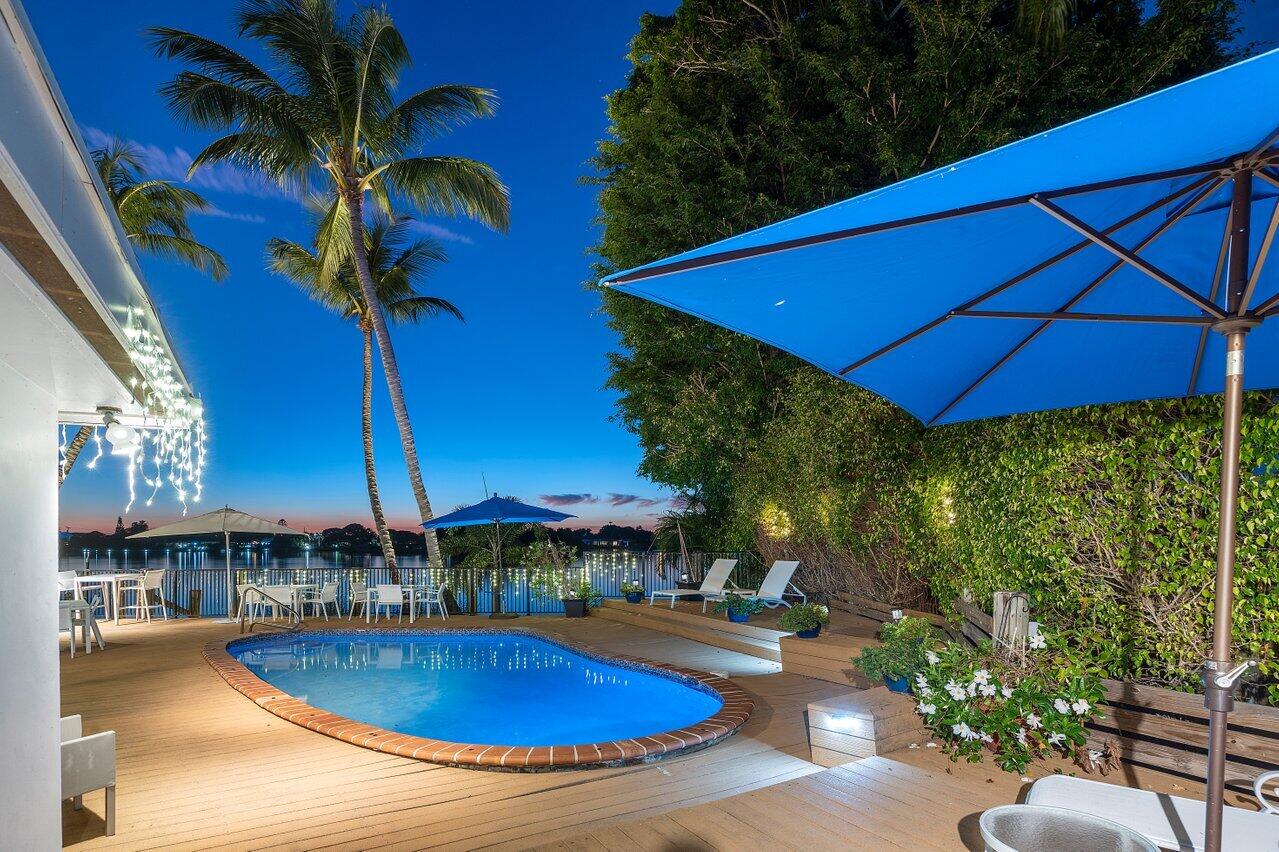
574	608
634	597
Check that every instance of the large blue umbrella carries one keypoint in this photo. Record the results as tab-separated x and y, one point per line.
496	511
1119	257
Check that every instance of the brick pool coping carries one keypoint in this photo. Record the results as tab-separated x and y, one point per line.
725	722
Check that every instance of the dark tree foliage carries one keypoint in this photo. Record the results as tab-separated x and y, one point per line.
738	113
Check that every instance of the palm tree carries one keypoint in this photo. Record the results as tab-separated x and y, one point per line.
395	264
154	212
330	117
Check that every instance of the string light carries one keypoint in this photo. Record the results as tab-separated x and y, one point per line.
172	438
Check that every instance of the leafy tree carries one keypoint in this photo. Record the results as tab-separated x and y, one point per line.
396	264
330	117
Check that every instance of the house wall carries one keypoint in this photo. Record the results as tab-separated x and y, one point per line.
30	765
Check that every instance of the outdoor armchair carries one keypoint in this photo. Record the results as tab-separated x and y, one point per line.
88	764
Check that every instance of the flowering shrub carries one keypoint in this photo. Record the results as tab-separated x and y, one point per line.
1020	706
804	616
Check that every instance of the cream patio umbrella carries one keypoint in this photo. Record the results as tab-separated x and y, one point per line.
225	521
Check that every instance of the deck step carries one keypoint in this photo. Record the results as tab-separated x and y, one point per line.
744	638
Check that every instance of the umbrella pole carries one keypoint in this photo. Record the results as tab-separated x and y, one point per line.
1218	697
1219	680
230	585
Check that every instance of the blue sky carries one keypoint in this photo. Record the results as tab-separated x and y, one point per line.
515	394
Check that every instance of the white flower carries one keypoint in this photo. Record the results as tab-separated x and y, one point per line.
1061	706
981	677
925	692
1094	756
985	737
1032	720
927	709
1039	641
1007	691
972	689
921	680
962	730
1021	735
932	658
1056	739
1026	779
988	690
823	610
930	745
956	691
1080	707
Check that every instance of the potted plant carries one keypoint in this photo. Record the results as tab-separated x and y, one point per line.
634	591
739	609
805	620
902	651
579	597
1018	705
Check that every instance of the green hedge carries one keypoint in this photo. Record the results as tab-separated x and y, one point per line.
1106	517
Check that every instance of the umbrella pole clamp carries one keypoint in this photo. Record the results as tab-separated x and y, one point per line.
1219	687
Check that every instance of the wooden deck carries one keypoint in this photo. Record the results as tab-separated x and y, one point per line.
201	767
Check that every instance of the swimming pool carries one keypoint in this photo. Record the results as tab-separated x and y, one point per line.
499	698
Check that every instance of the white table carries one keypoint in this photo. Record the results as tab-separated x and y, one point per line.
295	592
111	602
411	594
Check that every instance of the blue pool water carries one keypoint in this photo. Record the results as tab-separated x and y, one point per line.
484	688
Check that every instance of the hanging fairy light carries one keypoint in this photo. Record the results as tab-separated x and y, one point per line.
168	448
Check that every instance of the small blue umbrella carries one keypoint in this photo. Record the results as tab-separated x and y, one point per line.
1119	257
496	511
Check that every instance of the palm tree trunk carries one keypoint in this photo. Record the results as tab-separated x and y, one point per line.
370	471
73	452
355	210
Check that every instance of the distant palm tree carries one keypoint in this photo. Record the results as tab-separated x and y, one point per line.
154	212
329	116
395	264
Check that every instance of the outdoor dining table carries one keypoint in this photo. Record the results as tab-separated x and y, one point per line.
411	594
110	602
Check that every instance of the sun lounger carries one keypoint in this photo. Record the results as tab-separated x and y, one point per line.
712	584
773	591
1170	822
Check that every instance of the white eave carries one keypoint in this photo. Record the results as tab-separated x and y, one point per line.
57	226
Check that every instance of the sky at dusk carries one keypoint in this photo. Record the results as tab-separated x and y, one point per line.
514	396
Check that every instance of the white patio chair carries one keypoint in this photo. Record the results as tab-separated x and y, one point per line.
433	596
88	764
141	589
385	596
71	616
772	593
274	599
326	596
359	597
713	583
1171	822
66	584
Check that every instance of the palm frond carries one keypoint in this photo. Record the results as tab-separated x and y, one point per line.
416	308
433	111
450	186
182	249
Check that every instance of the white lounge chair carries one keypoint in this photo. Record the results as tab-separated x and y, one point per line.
88	764
773	591
712	584
1170	822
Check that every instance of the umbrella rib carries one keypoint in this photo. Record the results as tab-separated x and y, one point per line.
1032	271
1155	233
1127	256
1216	288
847	233
1051	316
1261	261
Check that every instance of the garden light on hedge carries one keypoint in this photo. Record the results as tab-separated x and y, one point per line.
1117	258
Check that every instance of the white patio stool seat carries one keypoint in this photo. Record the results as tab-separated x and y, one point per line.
88	764
141	587
1170	822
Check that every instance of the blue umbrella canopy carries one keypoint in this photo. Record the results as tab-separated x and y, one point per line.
955	294
496	510
1119	257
